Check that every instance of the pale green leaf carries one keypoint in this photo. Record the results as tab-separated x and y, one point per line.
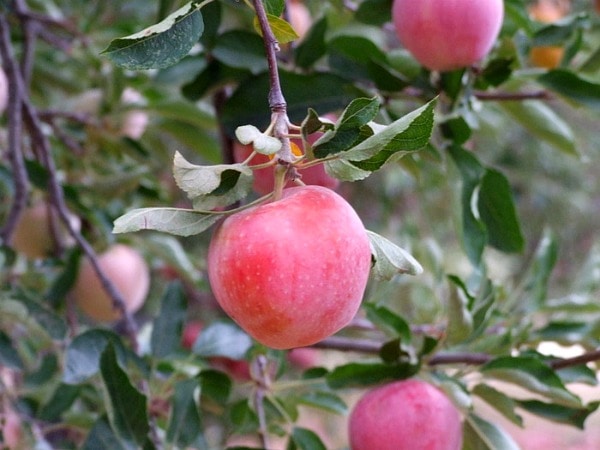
345	171
390	260
283	31
479	434
180	222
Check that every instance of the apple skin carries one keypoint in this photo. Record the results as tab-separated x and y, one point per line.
546	56
264	178
130	275
291	272
299	17
32	236
405	415
445	35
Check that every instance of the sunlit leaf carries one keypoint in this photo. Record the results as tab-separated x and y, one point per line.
222	339
479	434
390	260
283	31
180	222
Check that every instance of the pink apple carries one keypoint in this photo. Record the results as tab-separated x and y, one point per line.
129	273
445	35
405	415
293	271
263	178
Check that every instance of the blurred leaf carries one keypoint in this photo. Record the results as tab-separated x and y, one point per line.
64	282
177	221
312	47
457	130
532	374
480	434
127	412
168	324
242	50
171	252
222	339
46	318
542	122
82	359
556	33
213	75
565	332
160	45
326	401
102	437
390	260
63	397
497	211
305	439
274	7
374	12
387	320
9	357
364	374
538	274
215	385
283	31
496	72
460	320
557	413
243	418
573	87
184	422
212	186
499	401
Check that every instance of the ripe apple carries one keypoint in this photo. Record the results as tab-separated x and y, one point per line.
264	178
3	90
135	121
547	56
33	236
299	17
130	275
293	271
405	415
445	35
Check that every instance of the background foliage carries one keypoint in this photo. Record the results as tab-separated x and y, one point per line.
501	208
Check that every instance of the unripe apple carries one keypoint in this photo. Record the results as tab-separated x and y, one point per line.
129	273
3	90
33	236
405	415
293	271
445	35
264	178
547	56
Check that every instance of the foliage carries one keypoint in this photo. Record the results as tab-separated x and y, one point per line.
478	186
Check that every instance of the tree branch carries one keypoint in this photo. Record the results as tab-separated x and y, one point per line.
513	96
260	375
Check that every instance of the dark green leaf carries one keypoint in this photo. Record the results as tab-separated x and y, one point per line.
374	12
557	413
222	339
305	439
573	87
558	32
274	7
243	418
213	75
479	434
102	437
496	72
457	130
9	357
168	325
160	45
497	211
127	412
389	321
241	50
184	422
362	374
64	282
62	399
48	319
326	401
312	47
215	385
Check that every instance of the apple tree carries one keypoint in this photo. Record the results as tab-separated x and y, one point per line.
286	224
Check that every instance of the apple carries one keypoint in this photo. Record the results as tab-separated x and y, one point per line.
547	56
299	17
135	121
264	178
3	90
129	273
303	358
445	35
293	271
405	415
33	237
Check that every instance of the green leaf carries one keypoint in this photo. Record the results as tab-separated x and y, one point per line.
177	221
213	75
390	260
345	170
274	7
573	87
184	421
82	359
9	357
63	397
241	50
479	434
538	275
211	186
542	122
326	401
305	439
283	31
374	12
46	318
171	252
532	374
102	437
160	45
460	319
499	401
312	47
497	211
348	129
385	318
222	339
557	413
168	324
363	374
127	412
215	385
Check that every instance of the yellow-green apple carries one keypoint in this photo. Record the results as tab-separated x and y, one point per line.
33	235
129	273
547	11
445	35
405	415
264	178
293	271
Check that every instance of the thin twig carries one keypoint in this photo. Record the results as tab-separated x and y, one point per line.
513	96
588	357
260	375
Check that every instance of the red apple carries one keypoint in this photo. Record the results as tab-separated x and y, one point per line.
293	271
446	35
405	415
264	178
303	358
129	273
